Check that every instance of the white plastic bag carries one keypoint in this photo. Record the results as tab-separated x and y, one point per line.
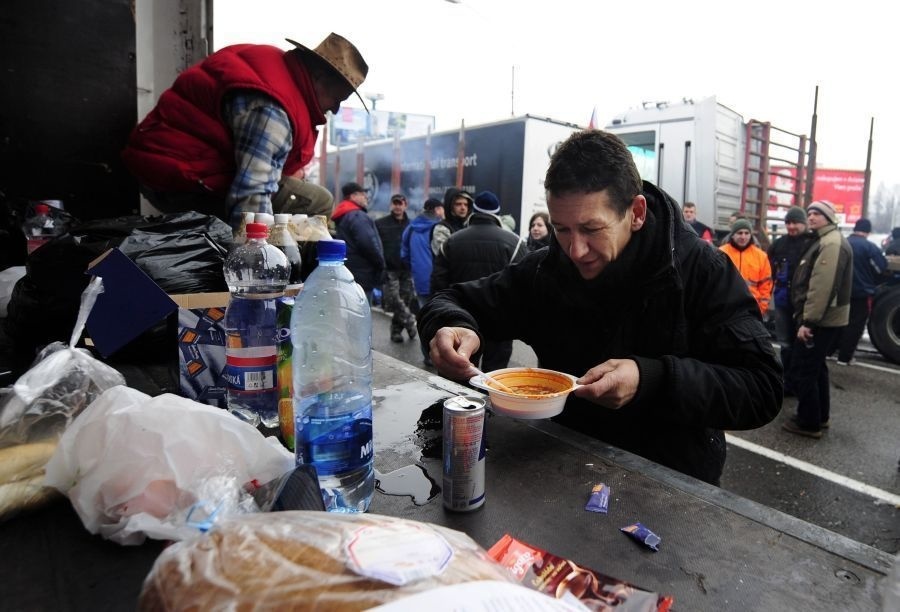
35	410
164	467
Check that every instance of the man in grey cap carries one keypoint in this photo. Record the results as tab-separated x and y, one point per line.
784	255
820	293
220	139
398	283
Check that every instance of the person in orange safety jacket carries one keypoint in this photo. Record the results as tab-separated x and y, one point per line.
751	261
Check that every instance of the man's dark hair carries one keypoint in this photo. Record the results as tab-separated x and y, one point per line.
592	161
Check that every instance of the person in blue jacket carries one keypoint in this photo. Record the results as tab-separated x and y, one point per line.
415	247
868	265
416	252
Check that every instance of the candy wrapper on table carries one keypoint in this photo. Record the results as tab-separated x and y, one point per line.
40	405
563	579
164	467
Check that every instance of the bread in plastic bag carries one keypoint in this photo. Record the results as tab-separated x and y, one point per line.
165	467
300	560
39	406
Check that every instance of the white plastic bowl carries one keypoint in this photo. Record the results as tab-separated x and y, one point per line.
529	404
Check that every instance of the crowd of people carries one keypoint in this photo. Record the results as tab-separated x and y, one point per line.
816	286
460	238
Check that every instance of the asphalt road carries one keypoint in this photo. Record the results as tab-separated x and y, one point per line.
847	482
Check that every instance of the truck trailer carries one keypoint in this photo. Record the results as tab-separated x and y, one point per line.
507	157
704	152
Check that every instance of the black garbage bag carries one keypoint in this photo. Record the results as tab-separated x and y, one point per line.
181	252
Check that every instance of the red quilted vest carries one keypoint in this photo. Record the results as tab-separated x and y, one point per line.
183	145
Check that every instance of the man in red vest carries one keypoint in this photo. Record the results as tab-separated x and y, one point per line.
220	139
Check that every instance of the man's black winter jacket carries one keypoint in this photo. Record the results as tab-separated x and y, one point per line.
677	307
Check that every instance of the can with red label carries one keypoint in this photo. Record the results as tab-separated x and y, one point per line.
464	453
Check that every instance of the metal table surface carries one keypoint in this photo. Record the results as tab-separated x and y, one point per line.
718	551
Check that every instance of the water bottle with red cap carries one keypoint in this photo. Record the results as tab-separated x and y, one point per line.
40	228
256	273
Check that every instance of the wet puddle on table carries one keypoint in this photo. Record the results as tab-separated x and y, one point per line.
410	480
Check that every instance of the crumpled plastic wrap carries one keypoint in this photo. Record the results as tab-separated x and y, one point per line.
40	405
164	467
301	560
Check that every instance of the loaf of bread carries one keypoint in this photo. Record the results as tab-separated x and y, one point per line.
24	461
22	478
299	561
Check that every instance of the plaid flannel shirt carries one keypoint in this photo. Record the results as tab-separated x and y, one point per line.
262	141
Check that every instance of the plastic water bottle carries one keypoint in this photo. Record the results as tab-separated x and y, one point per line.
40	228
331	330
281	237
256	273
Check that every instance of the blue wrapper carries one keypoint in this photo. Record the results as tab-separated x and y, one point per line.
599	500
643	535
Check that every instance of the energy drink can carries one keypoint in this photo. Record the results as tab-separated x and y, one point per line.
463	470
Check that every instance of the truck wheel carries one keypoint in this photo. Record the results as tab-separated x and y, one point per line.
884	324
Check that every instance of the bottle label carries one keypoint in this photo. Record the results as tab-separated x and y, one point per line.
32	243
250	373
334	444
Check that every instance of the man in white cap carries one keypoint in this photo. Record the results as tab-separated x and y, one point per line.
820	293
220	139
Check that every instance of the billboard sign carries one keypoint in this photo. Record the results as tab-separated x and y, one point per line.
351	125
843	188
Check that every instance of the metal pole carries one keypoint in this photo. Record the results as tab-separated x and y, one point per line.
323	154
460	154
426	187
868	176
395	167
337	171
811	169
360	161
512	94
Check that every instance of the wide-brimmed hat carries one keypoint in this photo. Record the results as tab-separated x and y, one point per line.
344	57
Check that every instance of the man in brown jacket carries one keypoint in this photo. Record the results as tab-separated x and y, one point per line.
820	293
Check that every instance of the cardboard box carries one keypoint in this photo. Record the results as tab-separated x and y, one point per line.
201	346
130	303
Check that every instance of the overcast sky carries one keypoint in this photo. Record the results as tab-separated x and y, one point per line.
455	60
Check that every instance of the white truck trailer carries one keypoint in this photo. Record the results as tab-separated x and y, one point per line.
704	152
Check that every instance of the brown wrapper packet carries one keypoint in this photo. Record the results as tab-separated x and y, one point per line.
556	576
